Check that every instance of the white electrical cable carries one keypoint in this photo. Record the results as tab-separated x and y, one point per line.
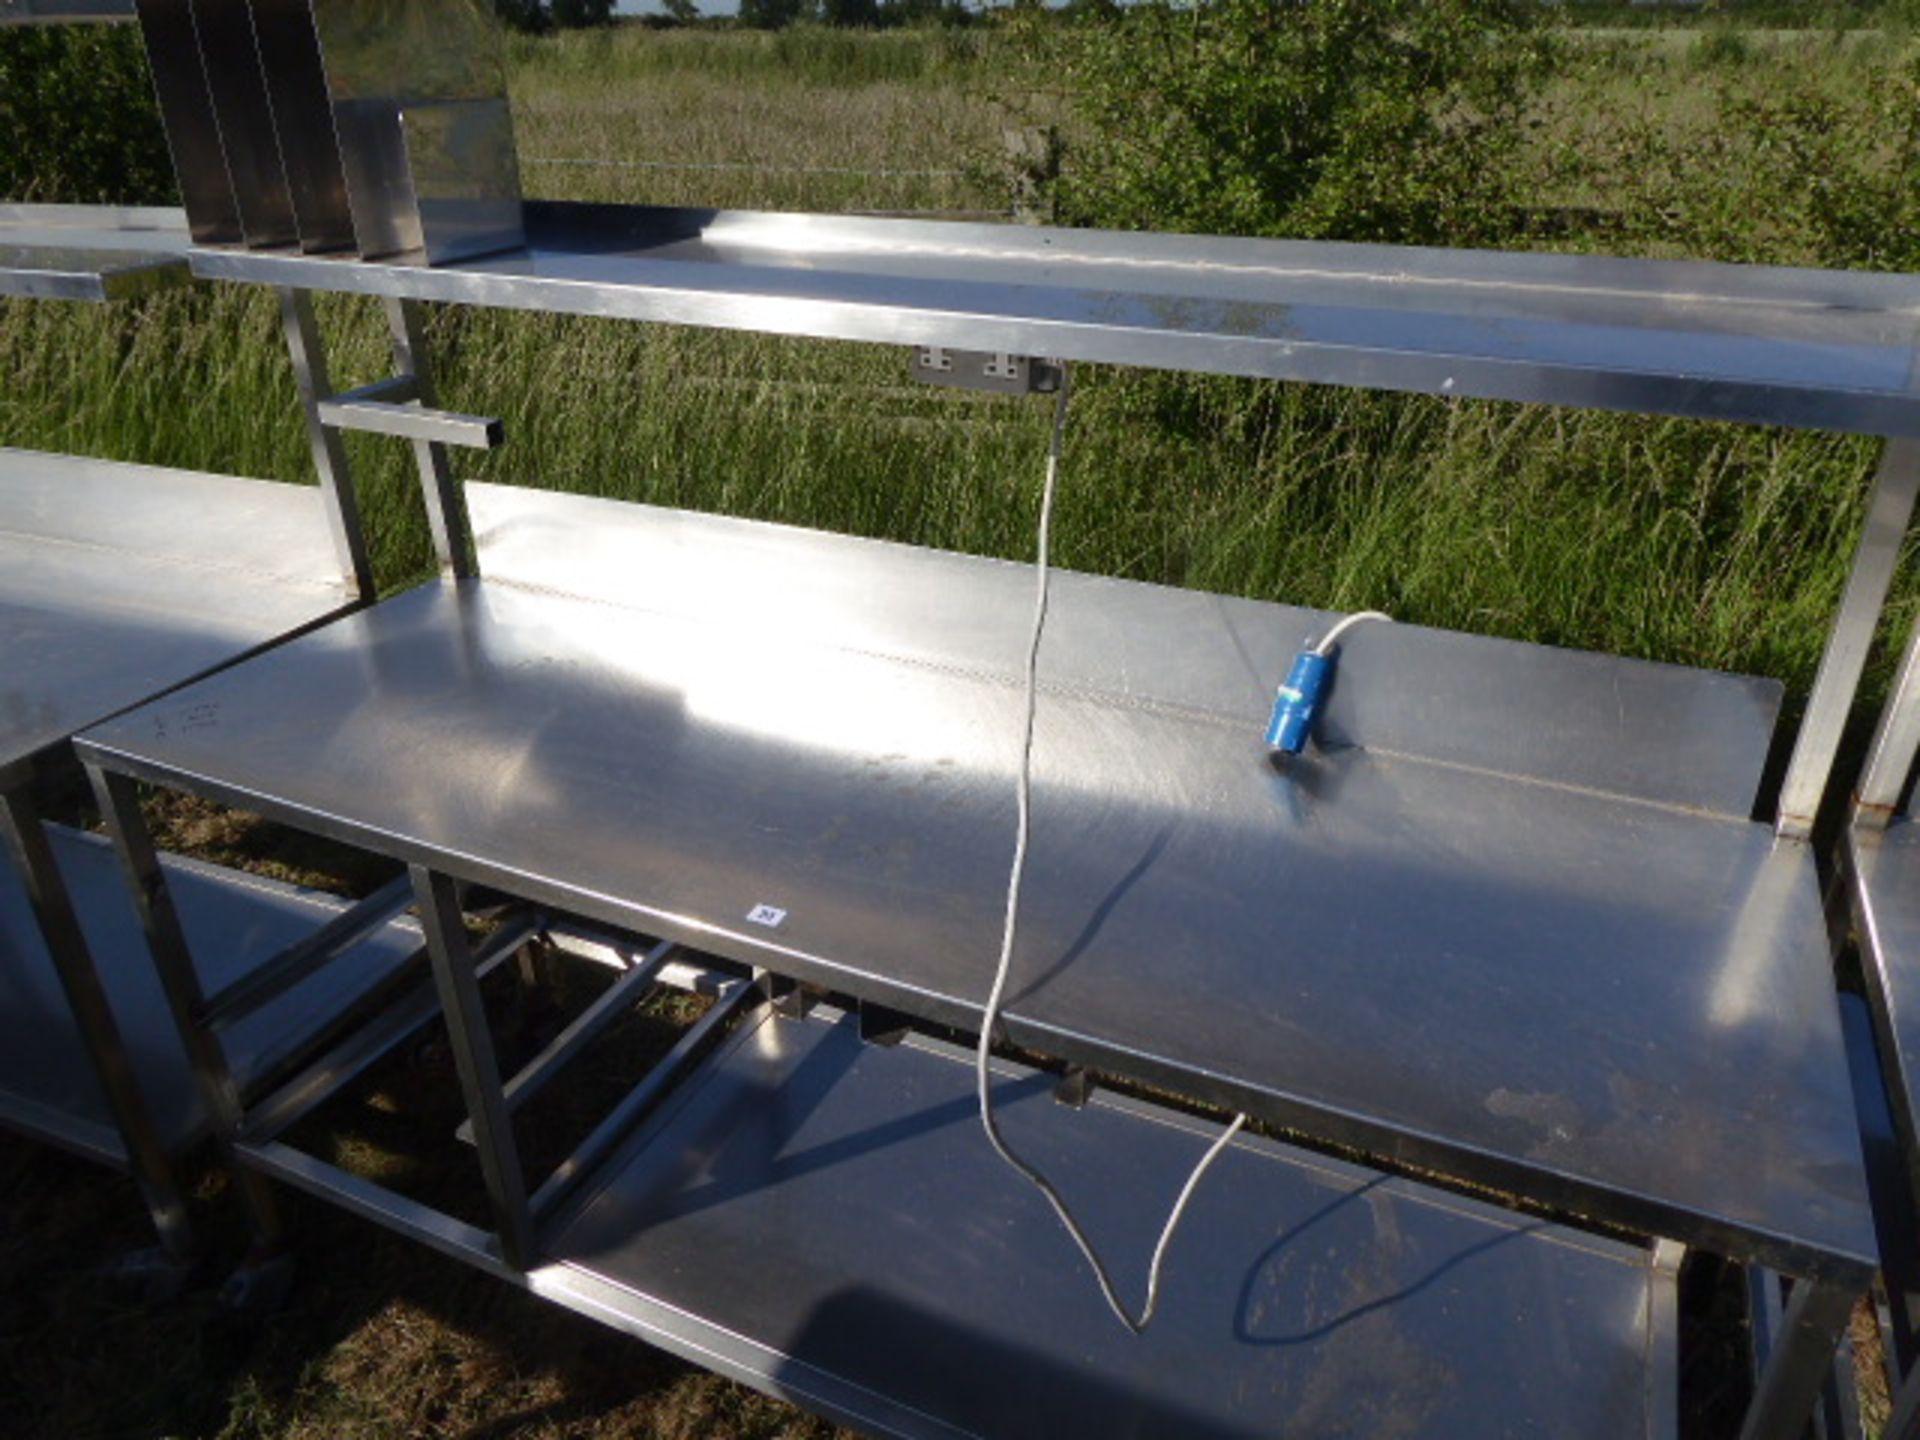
1024	796
1359	617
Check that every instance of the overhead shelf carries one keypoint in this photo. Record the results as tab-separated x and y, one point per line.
89	252
60	12
1822	349
118	582
915	1290
237	921
1518	929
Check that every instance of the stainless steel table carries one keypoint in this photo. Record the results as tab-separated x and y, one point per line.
1622	1005
117	583
1540	945
1527	919
120	581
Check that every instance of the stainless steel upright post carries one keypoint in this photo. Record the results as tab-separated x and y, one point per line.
473	1057
99	1031
1800	1363
308	352
173	960
1889	508
1895	742
446	514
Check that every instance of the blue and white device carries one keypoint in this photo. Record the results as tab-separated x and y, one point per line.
1298	700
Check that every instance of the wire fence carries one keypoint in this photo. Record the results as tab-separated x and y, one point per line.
748	166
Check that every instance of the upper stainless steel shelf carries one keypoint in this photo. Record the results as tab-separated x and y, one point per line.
62	12
120	581
1474	932
90	252
1820	349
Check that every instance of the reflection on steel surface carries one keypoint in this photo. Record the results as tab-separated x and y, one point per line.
419	98
186	109
91	252
118	581
1306	1287
1829	350
1507	957
245	119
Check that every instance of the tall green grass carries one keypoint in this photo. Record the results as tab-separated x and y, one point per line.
1711	545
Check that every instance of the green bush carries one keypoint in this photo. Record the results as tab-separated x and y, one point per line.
80	119
1348	119
538	17
1851	164
1802	157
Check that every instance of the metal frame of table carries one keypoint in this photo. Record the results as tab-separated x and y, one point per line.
1879	890
1722	342
120	582
509	668
111	591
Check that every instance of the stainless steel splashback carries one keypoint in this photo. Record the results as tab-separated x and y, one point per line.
374	126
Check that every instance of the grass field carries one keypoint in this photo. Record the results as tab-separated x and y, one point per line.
1710	545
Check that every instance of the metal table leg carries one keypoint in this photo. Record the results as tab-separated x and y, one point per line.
167	942
1800	1362
473	1057
152	1168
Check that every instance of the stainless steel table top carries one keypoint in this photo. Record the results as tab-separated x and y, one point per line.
90	252
1830	350
120	581
49	1087
920	1290
1527	951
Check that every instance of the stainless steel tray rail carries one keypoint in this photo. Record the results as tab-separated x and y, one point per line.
1770	345
47	1087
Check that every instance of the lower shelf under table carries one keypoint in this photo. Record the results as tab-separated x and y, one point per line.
821	1216
48	1087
